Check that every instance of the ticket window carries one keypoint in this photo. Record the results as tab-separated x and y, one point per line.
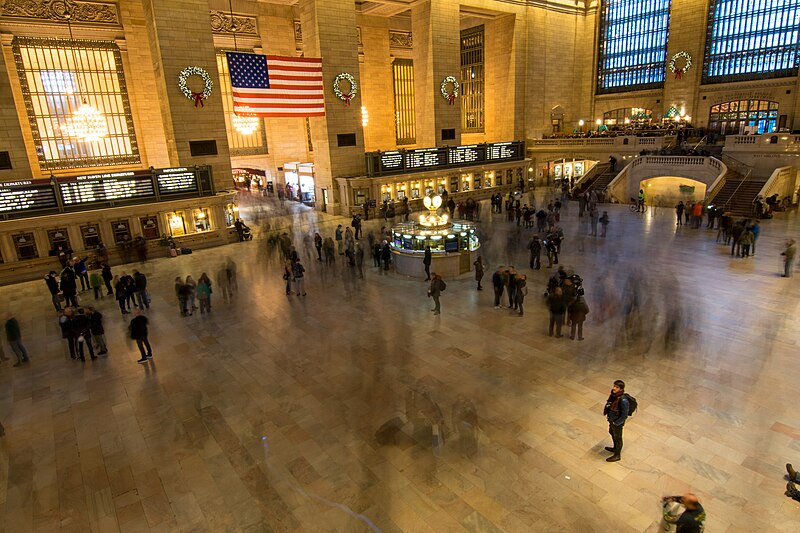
25	246
414	190
177	223
442	188
360	196
453	184
510	177
91	236
58	237
428	188
202	219
489	178
466	182
477	183
401	193
231	214
386	193
121	230
149	227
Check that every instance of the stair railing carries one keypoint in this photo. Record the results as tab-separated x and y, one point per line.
719	183
728	160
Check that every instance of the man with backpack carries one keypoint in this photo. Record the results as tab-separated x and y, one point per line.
619	407
437	286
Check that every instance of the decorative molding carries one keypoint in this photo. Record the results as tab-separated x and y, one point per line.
80	10
400	39
222	22
358	36
298	32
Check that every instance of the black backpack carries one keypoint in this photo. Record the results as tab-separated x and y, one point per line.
443	285
632	404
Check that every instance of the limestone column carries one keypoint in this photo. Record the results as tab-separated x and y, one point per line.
180	36
329	32
437	54
10	127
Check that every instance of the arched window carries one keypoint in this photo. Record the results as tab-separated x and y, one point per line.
740	116
632	114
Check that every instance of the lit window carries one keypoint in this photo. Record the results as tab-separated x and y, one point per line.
633	45
202	220
403	77
55	76
254	143
740	116
472	90
752	39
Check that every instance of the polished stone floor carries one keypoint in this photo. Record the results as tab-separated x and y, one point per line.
262	415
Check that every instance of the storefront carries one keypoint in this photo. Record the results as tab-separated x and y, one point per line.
251	179
299	182
570	170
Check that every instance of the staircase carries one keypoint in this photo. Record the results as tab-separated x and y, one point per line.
604	179
588	180
738	193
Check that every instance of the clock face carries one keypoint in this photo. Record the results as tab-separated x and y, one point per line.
427	202
437	201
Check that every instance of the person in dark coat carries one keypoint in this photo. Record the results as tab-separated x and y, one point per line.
386	255
535	247
426	260
557	307
435	290
140	284
67	333
69	286
478	264
120	294
52	285
130	290
98	331
577	311
82	330
138	329
107	277
498	283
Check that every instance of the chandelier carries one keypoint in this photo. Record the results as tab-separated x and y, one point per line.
86	123
245	124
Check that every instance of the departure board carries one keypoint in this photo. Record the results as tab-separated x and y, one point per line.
426	158
505	150
106	187
27	195
460	155
176	180
391	161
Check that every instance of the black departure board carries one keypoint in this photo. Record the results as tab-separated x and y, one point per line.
27	195
391	161
176	180
426	159
465	155
506	150
106	187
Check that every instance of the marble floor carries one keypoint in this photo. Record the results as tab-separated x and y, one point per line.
262	415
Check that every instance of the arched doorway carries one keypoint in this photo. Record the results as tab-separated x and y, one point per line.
667	191
744	116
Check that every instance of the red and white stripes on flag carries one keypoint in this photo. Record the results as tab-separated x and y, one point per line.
294	88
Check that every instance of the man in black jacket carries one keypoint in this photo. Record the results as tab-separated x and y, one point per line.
426	260
82	331
616	411
69	286
140	283
52	286
138	330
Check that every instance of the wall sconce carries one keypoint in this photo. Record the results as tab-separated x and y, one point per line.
364	116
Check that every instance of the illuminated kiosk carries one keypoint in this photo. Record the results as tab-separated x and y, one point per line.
453	244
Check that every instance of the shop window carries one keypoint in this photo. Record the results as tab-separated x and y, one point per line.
740	116
122	231
472	81
177	223
231	214
360	196
149	227
58	237
91	236
202	220
25	245
55	76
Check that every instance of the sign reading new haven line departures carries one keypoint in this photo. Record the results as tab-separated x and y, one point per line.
75	191
425	159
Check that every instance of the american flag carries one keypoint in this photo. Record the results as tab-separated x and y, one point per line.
276	86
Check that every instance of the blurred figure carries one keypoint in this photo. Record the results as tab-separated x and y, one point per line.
52	285
138	332
97	330
437	286
14	338
465	425
478	264
789	253
692	518
577	315
521	293
203	292
557	308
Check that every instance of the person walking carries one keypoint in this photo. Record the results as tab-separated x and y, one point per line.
435	291
789	253
318	245
82	328
79	266
52	285
287	276
736	234
14	338
691	519
96	283
138	331
107	276
616	412
535	247
557	307
69	286
478	264
756	229
498	282
426	260
97	330
142	296
594	216
522	291
297	274
511	286
339	241
120	294
577	311
679	209
604	224
191	294
65	322
203	293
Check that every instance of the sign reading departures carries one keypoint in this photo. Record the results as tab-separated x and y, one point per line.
74	191
422	159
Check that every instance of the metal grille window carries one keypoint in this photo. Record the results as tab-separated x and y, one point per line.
633	44
472	88
740	116
403	80
254	143
55	75
752	39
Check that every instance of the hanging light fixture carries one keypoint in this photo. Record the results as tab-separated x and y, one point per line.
86	123
244	124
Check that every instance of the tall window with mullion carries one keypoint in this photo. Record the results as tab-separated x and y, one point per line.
752	39
238	143
633	45
403	78
56	76
472	84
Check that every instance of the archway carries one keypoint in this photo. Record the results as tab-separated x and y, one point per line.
667	191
